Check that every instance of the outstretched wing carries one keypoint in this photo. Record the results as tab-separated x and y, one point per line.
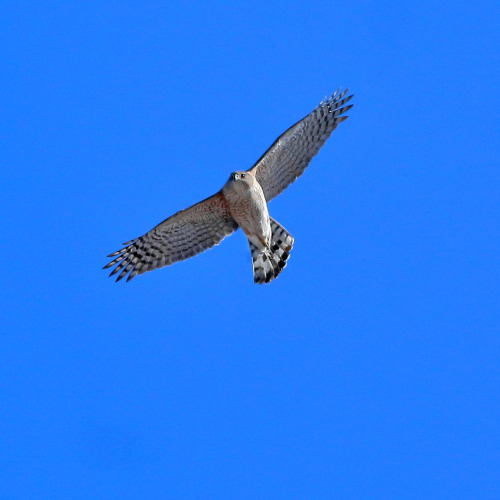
185	234
292	152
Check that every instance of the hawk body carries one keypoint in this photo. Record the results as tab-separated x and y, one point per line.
248	206
270	243
242	202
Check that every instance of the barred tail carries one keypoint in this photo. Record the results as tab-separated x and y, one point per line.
269	262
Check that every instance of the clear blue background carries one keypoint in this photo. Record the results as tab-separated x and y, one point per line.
369	369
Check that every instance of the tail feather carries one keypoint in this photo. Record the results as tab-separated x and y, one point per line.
269	262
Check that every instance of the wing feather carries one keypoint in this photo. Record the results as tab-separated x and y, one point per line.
181	236
292	151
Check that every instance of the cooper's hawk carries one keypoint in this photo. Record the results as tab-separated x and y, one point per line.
242	202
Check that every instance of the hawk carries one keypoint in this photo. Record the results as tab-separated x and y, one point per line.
242	202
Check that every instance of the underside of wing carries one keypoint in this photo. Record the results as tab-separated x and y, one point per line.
183	235
292	152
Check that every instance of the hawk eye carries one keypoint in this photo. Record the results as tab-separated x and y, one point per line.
242	176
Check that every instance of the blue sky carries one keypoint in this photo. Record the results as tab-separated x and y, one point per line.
368	369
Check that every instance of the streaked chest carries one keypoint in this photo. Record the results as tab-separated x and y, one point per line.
248	207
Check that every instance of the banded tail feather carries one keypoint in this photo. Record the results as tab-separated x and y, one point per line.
269	262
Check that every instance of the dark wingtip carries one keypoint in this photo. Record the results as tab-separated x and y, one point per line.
121	276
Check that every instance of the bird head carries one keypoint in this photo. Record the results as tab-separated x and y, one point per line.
242	176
